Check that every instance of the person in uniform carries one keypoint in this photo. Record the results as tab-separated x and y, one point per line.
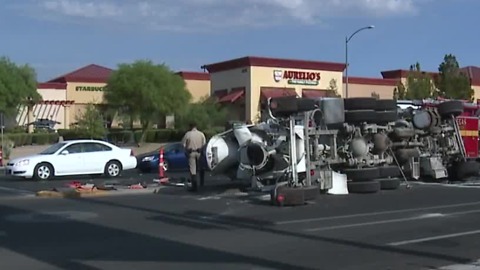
193	142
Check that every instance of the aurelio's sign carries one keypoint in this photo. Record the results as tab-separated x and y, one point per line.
90	88
297	77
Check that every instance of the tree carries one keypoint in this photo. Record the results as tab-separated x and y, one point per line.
332	89
419	84
146	92
18	84
91	123
206	112
451	82
399	91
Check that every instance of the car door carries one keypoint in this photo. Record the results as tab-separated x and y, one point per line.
69	160
176	158
96	156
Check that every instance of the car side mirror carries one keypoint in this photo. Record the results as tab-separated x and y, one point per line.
64	153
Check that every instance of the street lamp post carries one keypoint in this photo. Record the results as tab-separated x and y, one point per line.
347	39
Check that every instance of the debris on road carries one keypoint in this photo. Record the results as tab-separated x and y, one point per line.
76	189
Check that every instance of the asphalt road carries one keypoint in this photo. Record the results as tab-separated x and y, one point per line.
426	227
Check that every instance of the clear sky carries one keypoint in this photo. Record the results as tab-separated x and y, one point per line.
58	36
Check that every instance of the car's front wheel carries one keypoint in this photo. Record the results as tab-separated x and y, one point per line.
113	169
43	172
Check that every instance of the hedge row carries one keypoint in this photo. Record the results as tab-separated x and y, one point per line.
21	139
114	136
154	135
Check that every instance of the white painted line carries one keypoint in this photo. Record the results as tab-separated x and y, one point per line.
466	185
209	198
15	190
370	214
470	266
377	222
433	238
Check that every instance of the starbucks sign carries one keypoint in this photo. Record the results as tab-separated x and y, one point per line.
90	88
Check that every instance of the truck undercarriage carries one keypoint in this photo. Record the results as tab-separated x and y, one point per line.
307	143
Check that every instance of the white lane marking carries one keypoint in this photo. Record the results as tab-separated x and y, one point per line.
470	266
15	190
420	217
209	198
376	213
464	185
433	238
370	223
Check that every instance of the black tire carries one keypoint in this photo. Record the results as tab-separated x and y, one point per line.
363	187
363	174
389	183
311	193
292	196
467	169
389	171
43	172
385	105
360	103
448	108
360	116
386	117
113	169
401	133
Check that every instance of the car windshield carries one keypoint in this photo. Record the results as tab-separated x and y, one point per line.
52	149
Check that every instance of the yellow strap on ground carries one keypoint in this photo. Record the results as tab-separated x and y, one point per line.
56	194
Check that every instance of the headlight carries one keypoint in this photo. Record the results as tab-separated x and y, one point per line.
150	158
23	162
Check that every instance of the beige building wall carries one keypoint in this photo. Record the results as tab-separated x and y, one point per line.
44	109
82	94
476	95
366	90
199	89
227	80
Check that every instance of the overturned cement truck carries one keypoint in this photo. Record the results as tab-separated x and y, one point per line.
375	143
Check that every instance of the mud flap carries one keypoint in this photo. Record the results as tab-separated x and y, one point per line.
339	184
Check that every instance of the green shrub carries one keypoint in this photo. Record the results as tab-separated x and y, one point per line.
7	148
16	130
22	139
126	136
120	136
44	138
77	134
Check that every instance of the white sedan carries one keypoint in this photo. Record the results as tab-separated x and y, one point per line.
76	157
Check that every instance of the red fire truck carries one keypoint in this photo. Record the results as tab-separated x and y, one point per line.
456	142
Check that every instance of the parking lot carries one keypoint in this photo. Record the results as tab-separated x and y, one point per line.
426	227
